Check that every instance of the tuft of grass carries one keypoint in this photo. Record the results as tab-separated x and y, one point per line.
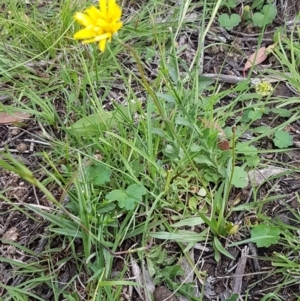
135	116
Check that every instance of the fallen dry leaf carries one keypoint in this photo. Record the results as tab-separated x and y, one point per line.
147	286
257	177
224	145
6	118
256	58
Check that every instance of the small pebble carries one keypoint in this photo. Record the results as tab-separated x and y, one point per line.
22	147
15	131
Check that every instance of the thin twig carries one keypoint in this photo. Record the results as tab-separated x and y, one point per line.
43	63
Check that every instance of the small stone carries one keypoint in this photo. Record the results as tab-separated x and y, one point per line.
15	131
22	147
11	234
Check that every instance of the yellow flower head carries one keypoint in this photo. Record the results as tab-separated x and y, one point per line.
100	24
247	8
264	88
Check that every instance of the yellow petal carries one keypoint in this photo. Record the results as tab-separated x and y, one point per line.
83	19
114	12
103	6
85	33
102	45
111	5
116	27
102	23
94	13
103	36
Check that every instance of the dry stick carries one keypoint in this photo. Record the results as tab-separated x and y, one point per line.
11	139
240	270
43	63
254	259
8	220
229	79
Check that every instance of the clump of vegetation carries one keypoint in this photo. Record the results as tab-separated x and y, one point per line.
124	162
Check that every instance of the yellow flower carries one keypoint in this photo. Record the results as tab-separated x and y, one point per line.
264	88
100	24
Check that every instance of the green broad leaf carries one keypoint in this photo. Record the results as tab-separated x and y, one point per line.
239	177
172	271
127	198
265	17
180	236
202	159
195	148
277	36
229	22
183	121
245	118
93	124
193	203
257	4
233	297
255	115
264	235
246	149
261	129
150	53
253	161
116	195
217	244
98	174
282	139
136	190
259	20
166	97
137	167
229	3
106	207
282	112
191	221
270	12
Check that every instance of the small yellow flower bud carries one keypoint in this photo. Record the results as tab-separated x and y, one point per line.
247	8
264	88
